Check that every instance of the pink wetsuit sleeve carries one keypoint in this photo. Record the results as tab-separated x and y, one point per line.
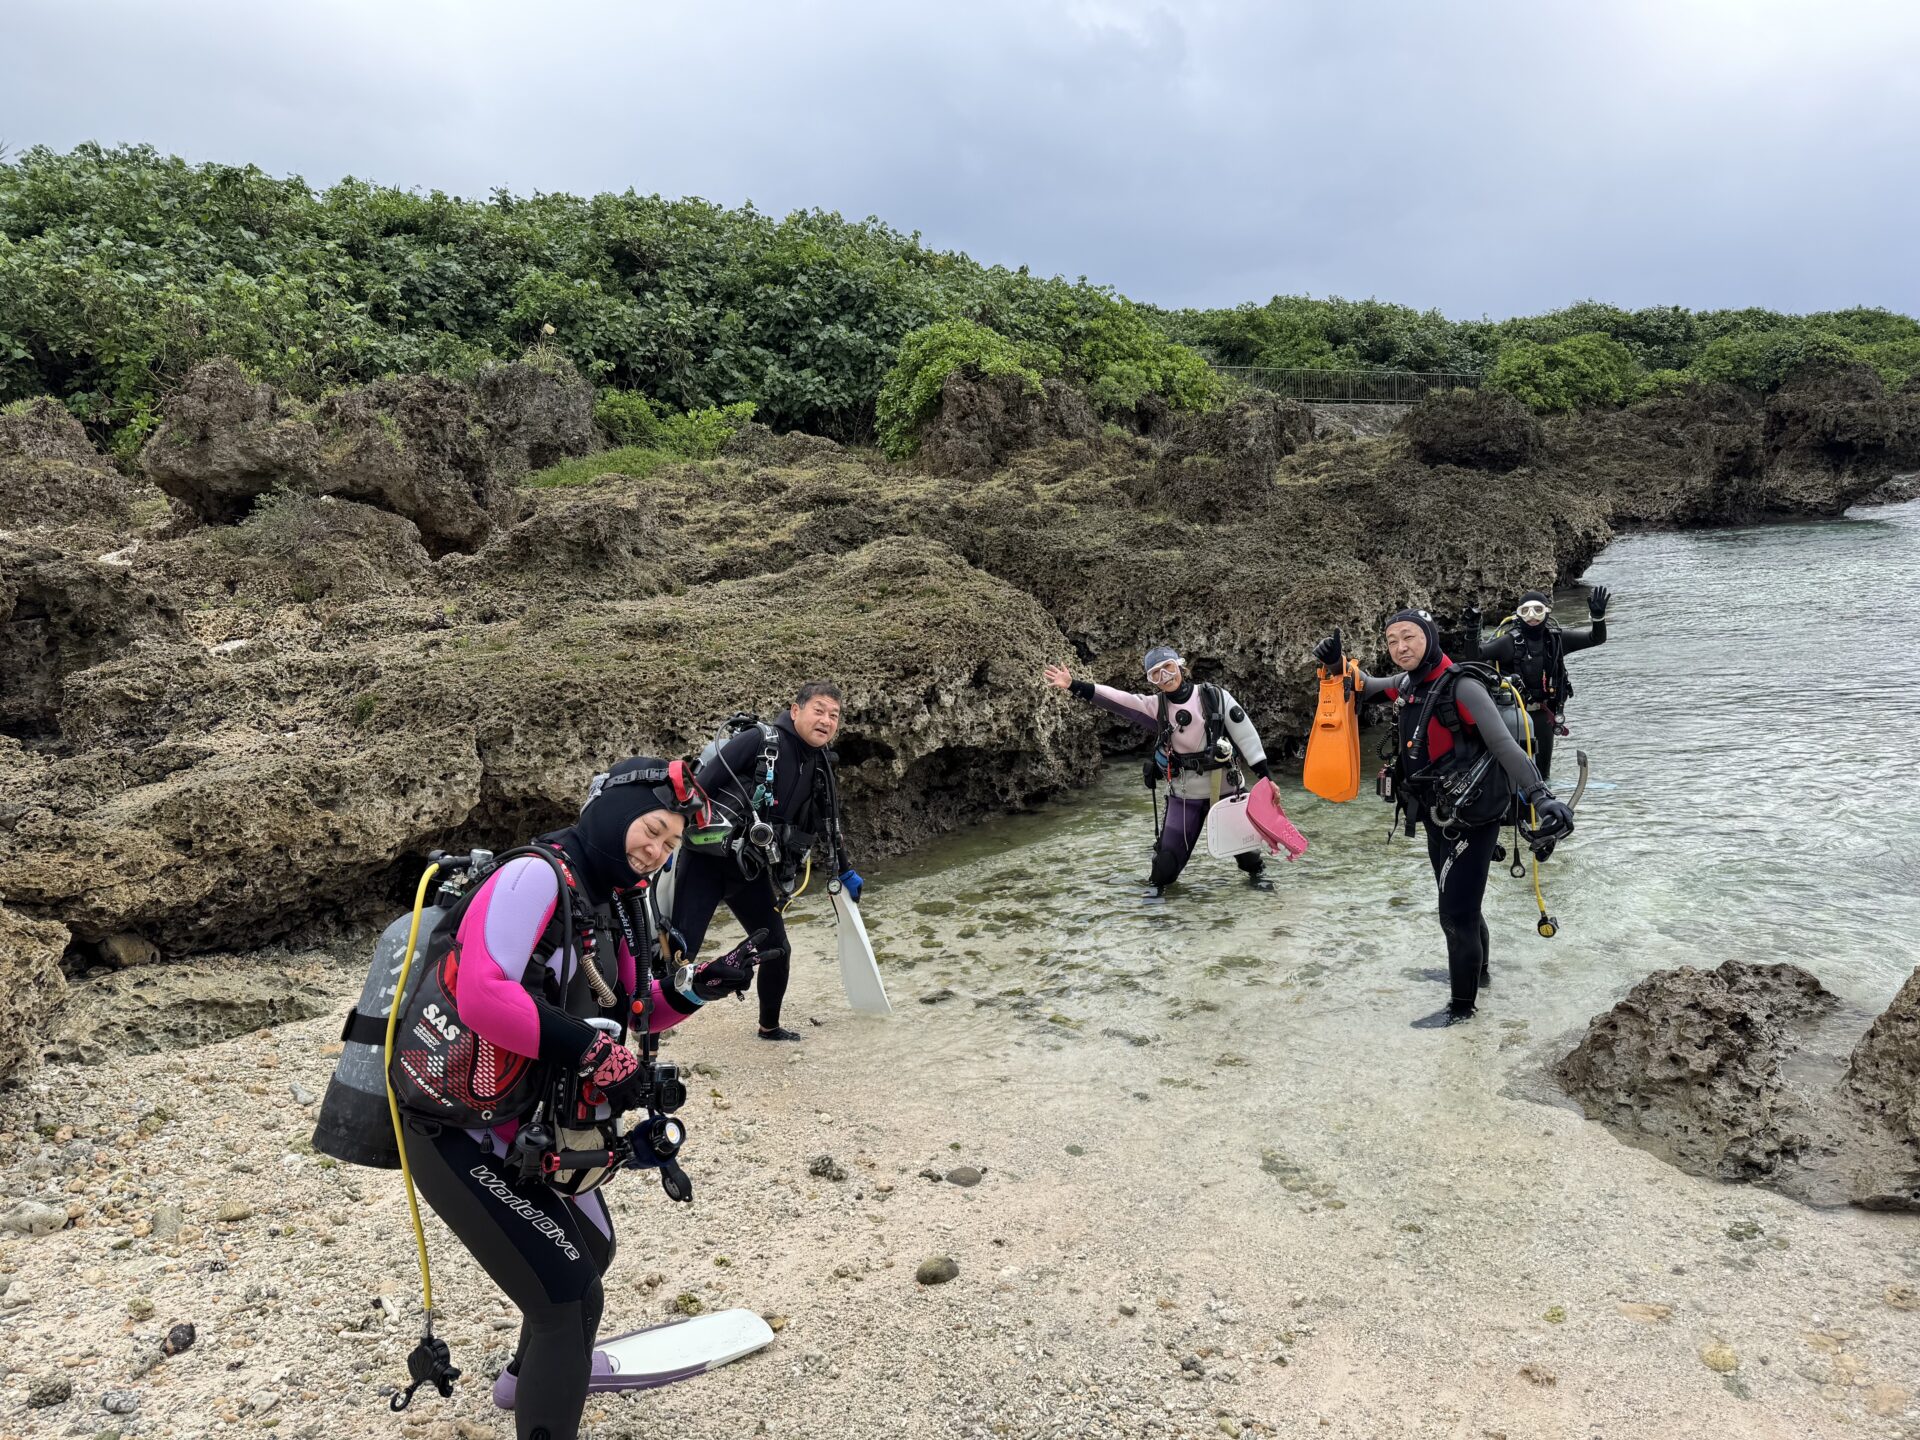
497	936
664	1016
1142	710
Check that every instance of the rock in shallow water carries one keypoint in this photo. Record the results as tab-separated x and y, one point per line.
1706	1067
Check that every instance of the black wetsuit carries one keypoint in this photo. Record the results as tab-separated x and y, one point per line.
1536	656
802	809
1461	854
545	1250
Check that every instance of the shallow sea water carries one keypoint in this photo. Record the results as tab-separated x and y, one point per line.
1752	731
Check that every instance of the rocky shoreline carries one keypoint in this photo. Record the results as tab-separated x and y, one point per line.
244	692
227	742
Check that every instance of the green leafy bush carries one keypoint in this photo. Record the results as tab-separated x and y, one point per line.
700	434
1571	374
636	461
911	390
1764	359
1898	361
121	268
664	440
627	416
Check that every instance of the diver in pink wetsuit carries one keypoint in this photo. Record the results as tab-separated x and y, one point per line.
1200	729
548	1249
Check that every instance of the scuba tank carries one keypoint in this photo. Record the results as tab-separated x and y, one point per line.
354	1124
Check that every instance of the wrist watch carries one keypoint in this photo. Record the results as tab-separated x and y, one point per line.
683	985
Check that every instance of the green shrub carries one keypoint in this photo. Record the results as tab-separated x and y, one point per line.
1121	359
627	416
1571	374
694	435
700	434
121	268
911	390
1898	361
1665	382
1764	359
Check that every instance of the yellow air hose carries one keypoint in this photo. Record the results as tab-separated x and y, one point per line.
393	1105
1546	925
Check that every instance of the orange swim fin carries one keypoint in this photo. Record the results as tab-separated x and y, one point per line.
1333	749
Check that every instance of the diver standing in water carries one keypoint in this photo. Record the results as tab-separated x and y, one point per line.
1531	647
1457	768
1199	729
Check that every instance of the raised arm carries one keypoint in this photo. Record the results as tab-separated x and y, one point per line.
1594	634
1141	710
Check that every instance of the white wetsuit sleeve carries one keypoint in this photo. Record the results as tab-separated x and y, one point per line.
1245	738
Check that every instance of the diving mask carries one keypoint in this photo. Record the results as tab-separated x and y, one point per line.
1533	612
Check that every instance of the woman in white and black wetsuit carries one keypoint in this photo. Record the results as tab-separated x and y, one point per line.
512	1016
1200	728
1445	723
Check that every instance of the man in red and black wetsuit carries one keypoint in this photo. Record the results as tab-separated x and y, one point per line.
1460	849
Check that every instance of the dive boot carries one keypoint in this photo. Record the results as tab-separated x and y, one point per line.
1454	1014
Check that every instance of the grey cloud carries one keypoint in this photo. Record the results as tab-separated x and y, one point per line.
1494	158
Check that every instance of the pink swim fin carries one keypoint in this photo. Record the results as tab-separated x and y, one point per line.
1263	809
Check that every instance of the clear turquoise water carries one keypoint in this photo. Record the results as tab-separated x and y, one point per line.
1753	733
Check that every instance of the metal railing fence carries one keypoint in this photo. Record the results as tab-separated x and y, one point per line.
1351	387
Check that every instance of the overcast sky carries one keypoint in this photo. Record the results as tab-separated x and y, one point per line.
1485	158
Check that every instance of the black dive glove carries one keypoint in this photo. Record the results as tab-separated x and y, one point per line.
732	973
1327	652
1597	601
1470	618
1552	818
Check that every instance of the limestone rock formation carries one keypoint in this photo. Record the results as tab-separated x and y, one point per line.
61	614
258	726
1479	429
1718	1072
982	421
224	440
35	989
1221	463
1882	1087
50	474
443	454
1690	1061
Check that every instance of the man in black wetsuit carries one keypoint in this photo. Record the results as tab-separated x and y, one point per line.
774	783
1446	721
1533	649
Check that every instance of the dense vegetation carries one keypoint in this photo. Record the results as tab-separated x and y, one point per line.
1587	354
120	268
